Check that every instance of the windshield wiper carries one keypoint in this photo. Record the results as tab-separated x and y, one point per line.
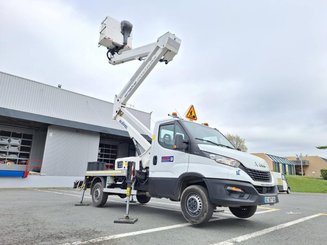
214	143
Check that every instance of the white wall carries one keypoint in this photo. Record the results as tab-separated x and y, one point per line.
37	98
35	181
67	151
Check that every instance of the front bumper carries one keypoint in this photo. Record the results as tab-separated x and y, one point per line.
251	195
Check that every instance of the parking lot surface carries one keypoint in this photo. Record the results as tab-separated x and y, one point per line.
48	216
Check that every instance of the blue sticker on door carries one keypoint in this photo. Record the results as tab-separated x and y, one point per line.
167	159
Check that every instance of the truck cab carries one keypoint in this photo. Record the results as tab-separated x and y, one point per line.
186	153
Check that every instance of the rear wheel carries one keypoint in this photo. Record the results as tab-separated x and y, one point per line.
142	198
99	198
243	212
195	204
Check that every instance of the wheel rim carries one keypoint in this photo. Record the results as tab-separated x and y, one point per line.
194	205
97	194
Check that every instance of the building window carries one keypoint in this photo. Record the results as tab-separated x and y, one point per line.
292	168
276	167
284	168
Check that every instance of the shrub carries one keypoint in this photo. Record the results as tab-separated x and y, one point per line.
324	173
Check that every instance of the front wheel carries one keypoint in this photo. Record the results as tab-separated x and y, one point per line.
243	212
195	204
99	198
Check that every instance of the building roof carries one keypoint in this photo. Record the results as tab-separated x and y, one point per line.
280	159
34	101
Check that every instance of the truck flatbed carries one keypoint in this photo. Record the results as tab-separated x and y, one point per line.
111	173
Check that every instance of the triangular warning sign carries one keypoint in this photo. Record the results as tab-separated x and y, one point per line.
191	114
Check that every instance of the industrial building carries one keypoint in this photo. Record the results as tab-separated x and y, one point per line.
291	165
311	165
56	132
278	164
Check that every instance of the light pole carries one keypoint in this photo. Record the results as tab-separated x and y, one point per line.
300	157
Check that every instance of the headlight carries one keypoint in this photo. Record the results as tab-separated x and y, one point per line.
223	160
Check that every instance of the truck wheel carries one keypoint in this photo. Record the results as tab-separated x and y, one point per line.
142	198
195	204
99	198
288	190
243	212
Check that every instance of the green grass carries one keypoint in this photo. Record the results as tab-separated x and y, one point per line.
307	184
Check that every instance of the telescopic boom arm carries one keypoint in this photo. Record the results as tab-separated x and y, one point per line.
163	50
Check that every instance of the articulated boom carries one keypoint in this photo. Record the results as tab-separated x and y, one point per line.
164	50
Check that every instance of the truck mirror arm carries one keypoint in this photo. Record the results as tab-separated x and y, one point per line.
181	144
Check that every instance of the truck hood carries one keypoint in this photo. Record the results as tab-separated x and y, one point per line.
248	160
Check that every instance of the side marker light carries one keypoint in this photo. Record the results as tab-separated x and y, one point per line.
234	189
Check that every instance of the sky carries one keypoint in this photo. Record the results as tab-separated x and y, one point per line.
253	68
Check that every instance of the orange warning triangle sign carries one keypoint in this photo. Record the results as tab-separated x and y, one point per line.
191	114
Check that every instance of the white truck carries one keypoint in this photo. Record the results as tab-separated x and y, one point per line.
281	182
181	160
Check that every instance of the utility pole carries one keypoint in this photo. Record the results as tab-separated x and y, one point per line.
300	158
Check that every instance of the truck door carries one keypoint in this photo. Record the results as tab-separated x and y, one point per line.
167	163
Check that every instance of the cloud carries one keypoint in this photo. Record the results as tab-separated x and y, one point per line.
53	43
257	69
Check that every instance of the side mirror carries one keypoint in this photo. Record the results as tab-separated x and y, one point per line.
180	143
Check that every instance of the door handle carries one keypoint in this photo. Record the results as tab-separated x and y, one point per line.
155	160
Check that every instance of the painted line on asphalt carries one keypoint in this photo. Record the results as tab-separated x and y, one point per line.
57	192
133	233
173	204
152	201
264	207
152	204
156	205
128	234
265	231
114	201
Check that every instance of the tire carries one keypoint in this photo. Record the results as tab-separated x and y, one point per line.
99	198
195	204
288	191
142	198
243	212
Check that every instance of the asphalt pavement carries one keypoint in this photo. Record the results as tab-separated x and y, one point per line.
49	216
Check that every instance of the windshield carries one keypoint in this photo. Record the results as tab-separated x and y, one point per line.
206	135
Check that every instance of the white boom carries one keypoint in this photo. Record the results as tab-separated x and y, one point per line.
164	49
166	166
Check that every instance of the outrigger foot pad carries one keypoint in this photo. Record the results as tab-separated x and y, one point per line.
82	204
126	220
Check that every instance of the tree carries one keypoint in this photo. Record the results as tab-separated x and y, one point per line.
237	141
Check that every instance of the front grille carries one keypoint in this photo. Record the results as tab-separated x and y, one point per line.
265	190
257	175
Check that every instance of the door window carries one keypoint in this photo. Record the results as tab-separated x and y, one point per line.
167	134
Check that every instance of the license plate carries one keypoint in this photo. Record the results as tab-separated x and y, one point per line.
270	199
